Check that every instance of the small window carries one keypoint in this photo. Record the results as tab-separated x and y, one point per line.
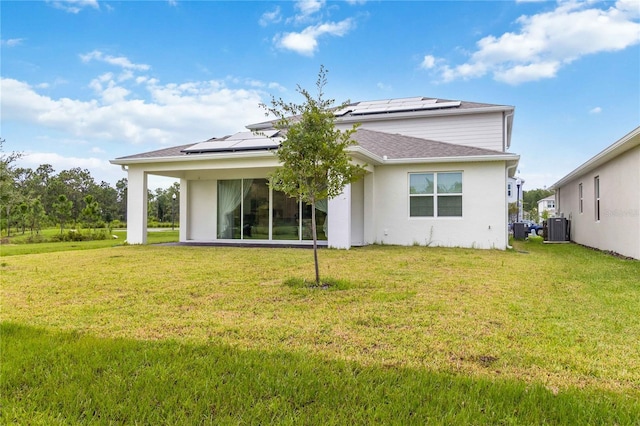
580	198
435	194
596	192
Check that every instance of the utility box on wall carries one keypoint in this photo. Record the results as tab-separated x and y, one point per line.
557	229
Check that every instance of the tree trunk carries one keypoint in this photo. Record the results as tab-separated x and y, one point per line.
315	241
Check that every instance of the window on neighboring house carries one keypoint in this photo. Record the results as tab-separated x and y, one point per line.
580	198
596	192
435	194
509	190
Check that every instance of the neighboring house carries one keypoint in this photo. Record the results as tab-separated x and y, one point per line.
547	204
437	174
515	194
601	198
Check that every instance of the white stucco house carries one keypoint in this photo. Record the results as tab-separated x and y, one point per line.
601	198
515	195
437	174
547	204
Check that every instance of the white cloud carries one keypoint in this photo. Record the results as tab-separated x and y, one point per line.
596	110
74	6
12	42
549	41
272	17
175	113
306	42
306	9
119	61
428	62
384	87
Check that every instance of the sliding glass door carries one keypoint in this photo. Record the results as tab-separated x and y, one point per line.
249	210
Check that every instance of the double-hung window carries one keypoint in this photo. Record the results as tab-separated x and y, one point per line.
435	194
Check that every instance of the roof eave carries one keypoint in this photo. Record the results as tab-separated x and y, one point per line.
193	157
384	160
624	144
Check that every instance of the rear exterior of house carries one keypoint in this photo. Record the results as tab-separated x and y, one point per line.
601	198
436	175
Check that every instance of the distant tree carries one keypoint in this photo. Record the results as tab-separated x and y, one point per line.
315	163
62	210
23	211
121	199
9	196
91	211
36	216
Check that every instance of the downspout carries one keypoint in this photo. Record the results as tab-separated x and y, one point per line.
506	179
504	133
124	168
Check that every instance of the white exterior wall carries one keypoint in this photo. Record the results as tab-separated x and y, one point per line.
618	229
483	222
137	205
201	219
479	130
339	217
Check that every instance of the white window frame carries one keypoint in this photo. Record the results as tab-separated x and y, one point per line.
435	195
596	196
580	198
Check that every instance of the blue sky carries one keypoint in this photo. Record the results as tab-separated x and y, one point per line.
86	81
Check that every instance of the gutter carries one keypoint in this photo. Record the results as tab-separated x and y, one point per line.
384	160
505	196
193	157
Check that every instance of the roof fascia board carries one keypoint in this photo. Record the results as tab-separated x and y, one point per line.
624	144
193	157
465	159
378	161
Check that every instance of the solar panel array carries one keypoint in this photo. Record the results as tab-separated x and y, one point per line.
242	141
395	105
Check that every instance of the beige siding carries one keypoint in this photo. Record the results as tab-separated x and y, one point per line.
478	130
618	229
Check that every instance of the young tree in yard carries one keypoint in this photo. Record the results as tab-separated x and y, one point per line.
315	163
62	209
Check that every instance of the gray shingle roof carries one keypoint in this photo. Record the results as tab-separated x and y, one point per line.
393	146
396	146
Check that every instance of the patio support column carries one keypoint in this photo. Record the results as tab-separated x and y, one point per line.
340	220
137	206
184	218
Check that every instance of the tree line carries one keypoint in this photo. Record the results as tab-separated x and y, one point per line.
33	199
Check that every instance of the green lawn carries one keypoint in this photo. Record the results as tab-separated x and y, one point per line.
543	334
18	245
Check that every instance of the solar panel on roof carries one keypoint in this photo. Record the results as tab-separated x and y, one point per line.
215	145
400	105
241	141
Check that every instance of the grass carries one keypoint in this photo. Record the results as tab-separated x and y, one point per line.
18	243
408	335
